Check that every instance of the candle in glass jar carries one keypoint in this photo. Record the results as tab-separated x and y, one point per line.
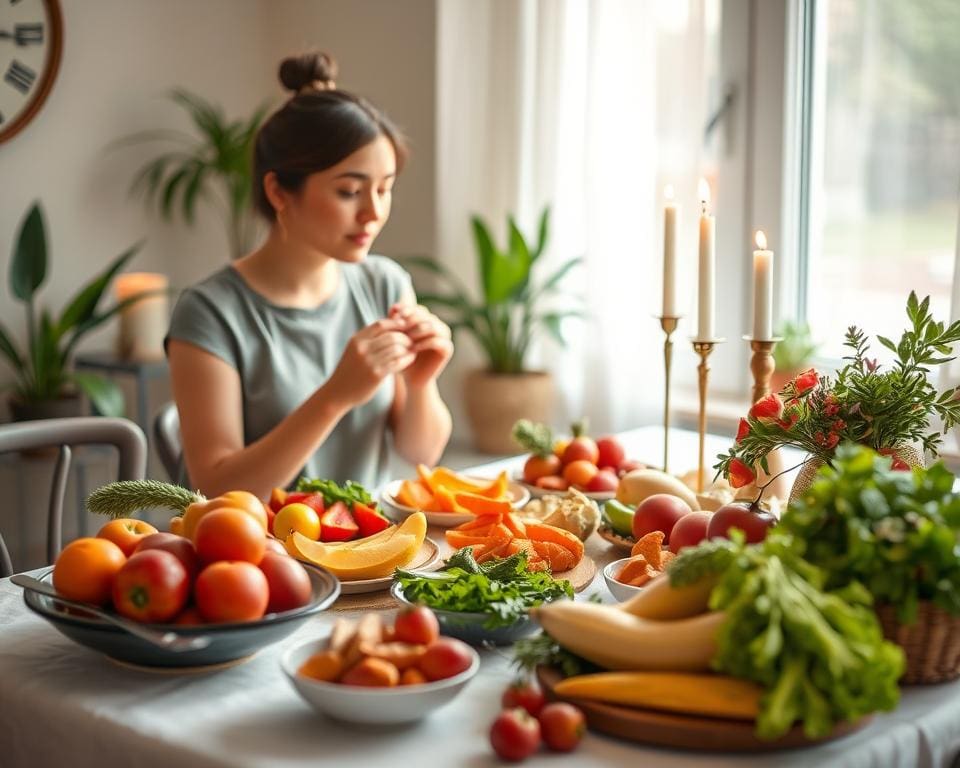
143	323
762	289
705	313
669	254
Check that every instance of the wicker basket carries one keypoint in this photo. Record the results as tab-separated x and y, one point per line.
808	471
931	645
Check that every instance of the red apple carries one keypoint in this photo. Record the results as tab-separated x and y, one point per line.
178	546
659	512
750	519
611	452
689	531
289	584
629	465
602	482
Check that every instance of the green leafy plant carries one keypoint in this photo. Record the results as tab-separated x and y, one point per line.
514	307
895	532
216	165
43	369
796	347
883	409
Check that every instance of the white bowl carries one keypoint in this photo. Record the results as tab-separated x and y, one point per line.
519	495
358	704
620	591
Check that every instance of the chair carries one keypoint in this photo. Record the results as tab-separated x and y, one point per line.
166	433
126	436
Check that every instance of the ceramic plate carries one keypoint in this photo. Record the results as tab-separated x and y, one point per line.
519	494
426	559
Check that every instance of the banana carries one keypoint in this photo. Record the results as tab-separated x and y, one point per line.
663	602
618	640
690	694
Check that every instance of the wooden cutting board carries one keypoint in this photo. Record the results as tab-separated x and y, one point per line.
667	729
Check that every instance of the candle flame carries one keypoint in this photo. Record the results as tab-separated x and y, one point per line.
703	190
761	240
668	191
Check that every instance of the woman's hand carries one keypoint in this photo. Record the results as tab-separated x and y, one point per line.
430	341
372	354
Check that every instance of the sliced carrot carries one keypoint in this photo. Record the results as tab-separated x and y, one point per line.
544	532
426	476
515	525
497	489
480	521
415	494
457	483
481	505
447	501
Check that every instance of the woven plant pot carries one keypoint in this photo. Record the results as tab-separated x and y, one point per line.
808	471
931	645
494	401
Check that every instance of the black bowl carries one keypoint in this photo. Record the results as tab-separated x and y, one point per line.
228	642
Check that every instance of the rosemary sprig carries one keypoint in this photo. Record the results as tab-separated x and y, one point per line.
123	498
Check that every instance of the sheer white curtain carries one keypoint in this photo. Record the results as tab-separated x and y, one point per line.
590	107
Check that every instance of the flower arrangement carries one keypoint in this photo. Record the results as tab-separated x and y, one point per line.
882	409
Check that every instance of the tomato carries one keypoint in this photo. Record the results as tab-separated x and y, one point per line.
337	524
603	482
297	517
552	483
368	520
540	466
610	452
312	500
126	533
229	534
525	693
581	449
188	617
579	472
445	658
85	570
231	591
515	735
416	624
288	582
152	586
178	546
562	726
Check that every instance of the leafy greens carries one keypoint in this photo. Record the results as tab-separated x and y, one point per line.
348	493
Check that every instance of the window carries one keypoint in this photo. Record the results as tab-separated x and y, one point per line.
882	175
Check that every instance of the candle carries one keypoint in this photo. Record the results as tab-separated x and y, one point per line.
669	254
705	319
762	289
143	323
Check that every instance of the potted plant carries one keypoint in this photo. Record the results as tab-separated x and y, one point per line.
888	410
895	533
45	385
792	354
217	166
513	309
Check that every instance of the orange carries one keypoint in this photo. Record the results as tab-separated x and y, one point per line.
126	533
579	472
85	570
242	500
229	534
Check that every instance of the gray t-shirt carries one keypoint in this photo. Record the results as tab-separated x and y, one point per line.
283	354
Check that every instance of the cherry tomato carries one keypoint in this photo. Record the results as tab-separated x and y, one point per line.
416	624
152	586
524	693
515	735
562	726
445	658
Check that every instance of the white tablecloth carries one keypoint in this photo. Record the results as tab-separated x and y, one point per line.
61	704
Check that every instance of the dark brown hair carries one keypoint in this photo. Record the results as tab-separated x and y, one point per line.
317	128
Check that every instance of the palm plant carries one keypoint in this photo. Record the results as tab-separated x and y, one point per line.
43	369
216	166
506	320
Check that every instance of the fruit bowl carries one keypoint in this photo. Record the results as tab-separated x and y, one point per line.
470	628
519	495
228	642
621	592
358	704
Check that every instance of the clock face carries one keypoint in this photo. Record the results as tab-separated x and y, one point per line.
31	41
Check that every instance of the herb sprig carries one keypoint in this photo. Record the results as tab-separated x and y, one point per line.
349	493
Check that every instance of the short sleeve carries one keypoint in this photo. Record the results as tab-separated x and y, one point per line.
198	321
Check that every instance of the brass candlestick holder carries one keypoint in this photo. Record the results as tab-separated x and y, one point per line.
761	364
703	347
669	324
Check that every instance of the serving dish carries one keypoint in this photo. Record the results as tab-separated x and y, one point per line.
228	642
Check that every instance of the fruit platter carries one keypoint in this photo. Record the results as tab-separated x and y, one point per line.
433	492
554	465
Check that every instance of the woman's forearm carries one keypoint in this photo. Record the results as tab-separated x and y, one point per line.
422	426
277	457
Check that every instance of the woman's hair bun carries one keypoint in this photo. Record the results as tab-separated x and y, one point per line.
297	72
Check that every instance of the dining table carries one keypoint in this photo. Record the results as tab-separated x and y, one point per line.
62	704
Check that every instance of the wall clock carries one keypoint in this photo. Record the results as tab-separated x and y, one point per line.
31	43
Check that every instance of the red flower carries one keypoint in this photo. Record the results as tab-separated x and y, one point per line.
830	406
827	441
806	381
838	425
766	408
791	413
743	429
739	474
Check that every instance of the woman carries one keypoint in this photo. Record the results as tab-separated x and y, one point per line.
303	357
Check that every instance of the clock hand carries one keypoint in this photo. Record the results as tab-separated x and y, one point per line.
21	37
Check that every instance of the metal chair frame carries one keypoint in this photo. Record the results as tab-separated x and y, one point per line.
126	436
166	435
